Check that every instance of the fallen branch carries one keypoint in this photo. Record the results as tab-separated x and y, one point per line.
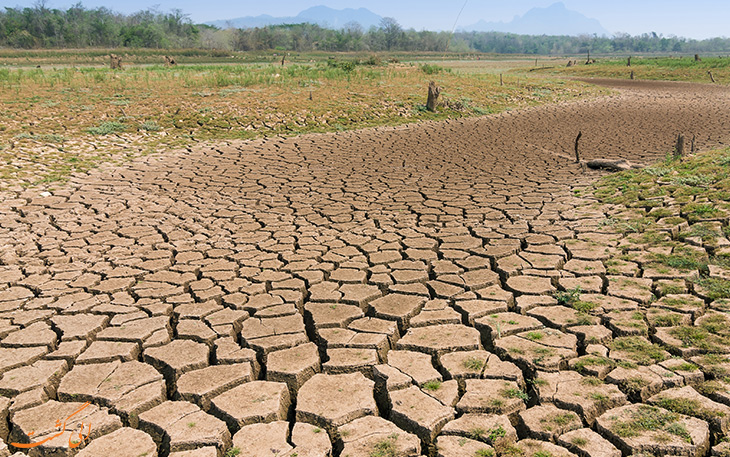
612	165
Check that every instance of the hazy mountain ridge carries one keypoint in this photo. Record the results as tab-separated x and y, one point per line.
320	15
556	19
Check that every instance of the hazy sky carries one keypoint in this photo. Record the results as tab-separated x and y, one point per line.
694	19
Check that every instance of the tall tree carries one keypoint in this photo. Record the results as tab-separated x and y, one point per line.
392	32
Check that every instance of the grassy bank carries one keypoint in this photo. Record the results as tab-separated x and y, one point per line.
655	68
676	220
58	121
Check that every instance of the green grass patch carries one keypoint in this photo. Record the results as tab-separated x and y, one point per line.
715	288
432	385
496	433
150	126
681	68
432	69
513	392
591	360
568	297
107	128
233	452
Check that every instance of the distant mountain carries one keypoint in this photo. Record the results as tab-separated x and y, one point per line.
320	15
553	20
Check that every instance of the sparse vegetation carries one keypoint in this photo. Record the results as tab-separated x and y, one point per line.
473	363
568	297
477	433
233	452
633	386
385	448
107	128
145	109
715	287
496	433
602	400
561	419
639	350
432	69
678	68
650	418
578	441
542	454
688	407
591	381
512	392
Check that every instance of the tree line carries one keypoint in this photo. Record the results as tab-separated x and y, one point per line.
79	27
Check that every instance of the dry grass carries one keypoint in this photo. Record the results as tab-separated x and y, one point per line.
59	121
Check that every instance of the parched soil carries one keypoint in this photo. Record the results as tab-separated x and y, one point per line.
388	291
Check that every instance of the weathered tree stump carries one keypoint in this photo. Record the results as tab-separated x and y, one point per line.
283	59
693	149
697	58
679	147
712	78
577	154
501	81
115	62
628	64
169	61
433	96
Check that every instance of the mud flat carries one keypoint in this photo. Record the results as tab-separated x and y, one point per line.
388	291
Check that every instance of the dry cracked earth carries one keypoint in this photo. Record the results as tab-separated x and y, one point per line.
385	292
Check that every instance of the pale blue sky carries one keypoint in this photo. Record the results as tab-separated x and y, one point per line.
694	19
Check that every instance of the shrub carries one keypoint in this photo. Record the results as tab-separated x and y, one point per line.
107	128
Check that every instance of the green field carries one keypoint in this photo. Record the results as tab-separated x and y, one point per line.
651	68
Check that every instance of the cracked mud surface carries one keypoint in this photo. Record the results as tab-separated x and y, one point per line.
380	292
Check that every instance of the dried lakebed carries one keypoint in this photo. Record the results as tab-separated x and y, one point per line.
383	292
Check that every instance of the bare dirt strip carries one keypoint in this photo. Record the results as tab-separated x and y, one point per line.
381	292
